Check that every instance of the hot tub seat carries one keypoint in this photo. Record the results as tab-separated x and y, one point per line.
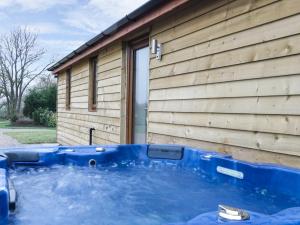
289	216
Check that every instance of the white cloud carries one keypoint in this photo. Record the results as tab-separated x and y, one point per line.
5	3
3	16
43	28
56	49
67	45
97	15
50	28
116	8
90	20
34	5
58	35
59	48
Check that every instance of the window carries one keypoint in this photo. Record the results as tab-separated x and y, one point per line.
93	84
68	89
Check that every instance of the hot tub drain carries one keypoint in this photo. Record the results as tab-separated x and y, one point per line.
92	163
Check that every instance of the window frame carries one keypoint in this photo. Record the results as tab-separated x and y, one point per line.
132	46
93	87
68	89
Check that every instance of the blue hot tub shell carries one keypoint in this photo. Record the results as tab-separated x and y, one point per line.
276	178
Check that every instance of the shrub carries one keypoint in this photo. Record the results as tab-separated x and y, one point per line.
3	112
44	117
36	116
52	120
44	97
13	118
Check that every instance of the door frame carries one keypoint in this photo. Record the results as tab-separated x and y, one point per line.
132	46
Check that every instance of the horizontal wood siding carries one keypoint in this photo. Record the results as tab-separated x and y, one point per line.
73	125
229	79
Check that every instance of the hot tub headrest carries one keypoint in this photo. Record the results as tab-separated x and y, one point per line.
3	155
21	156
174	152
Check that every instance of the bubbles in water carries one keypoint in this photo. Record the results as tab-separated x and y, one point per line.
128	193
114	165
263	191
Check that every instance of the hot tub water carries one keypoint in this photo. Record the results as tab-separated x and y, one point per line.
128	193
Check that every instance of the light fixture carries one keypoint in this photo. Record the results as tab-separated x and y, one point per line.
156	48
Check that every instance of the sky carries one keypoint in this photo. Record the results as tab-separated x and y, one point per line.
63	25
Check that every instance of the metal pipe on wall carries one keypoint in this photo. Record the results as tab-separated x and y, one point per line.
91	136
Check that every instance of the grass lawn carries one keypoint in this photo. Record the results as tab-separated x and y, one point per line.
33	136
4	123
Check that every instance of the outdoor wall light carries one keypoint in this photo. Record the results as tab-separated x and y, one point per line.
156	48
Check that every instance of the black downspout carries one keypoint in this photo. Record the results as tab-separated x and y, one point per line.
91	135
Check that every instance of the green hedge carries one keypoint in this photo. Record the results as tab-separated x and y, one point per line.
44	117
40	98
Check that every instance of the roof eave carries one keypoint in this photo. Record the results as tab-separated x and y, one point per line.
145	15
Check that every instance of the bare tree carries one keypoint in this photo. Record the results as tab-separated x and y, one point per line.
19	66
45	81
2	103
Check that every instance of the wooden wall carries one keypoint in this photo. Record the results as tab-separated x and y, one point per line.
73	125
229	79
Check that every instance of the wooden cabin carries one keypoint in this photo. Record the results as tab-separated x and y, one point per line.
227	79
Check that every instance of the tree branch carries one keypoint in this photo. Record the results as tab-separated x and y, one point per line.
19	65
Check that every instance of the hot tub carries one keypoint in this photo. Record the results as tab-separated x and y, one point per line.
143	185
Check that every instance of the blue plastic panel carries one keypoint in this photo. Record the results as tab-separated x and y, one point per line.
3	197
279	179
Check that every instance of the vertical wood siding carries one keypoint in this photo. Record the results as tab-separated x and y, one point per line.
229	79
73	125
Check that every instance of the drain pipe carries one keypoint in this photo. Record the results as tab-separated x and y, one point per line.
91	135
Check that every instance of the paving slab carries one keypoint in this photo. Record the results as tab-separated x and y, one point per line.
7	141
